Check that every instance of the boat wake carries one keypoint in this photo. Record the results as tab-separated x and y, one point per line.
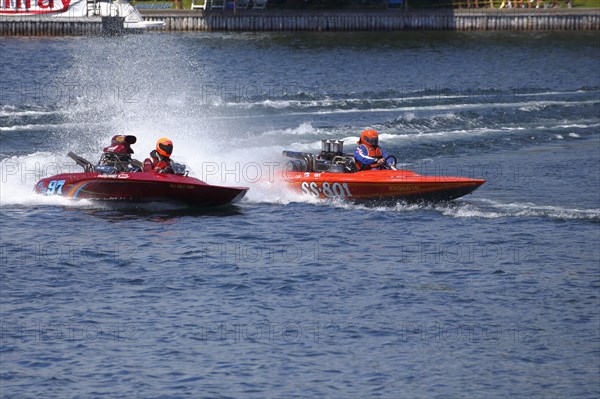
20	174
528	209
477	208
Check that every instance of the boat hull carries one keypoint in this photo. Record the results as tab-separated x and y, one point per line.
381	185
139	187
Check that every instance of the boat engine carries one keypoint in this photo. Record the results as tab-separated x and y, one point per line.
331	159
330	149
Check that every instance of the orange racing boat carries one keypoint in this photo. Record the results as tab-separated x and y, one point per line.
333	174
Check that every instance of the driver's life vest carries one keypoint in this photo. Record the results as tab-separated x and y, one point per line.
157	162
365	152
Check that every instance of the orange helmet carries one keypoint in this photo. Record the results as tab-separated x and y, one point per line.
369	137
164	147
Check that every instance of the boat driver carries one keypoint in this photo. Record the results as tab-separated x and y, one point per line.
160	159
368	154
117	156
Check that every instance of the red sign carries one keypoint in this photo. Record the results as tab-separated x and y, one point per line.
39	7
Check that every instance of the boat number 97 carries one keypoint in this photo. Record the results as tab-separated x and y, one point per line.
55	187
327	189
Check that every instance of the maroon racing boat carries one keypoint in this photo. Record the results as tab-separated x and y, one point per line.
107	184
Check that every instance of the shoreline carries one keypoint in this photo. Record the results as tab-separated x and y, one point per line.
279	20
377	20
369	12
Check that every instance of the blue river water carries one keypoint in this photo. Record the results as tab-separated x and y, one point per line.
493	295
